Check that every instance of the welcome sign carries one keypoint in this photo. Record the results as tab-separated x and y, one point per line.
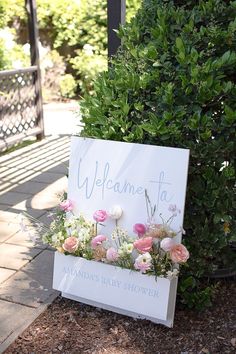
107	173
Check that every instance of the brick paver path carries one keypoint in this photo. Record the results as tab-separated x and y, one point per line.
30	180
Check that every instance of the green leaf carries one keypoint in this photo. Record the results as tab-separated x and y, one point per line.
230	115
189	282
180	45
225	57
126	108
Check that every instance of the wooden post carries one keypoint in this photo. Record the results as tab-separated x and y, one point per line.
115	17
34	54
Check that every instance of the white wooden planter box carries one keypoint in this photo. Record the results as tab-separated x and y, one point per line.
113	288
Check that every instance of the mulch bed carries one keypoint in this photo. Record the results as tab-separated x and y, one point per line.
72	328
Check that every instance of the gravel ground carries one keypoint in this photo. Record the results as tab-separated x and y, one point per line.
72	328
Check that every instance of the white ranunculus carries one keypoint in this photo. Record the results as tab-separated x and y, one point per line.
115	212
143	262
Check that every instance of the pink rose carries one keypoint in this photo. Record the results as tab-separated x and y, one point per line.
167	243
139	229
71	244
112	254
97	240
66	205
143	245
179	253
100	215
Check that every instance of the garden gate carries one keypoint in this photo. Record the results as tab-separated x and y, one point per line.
21	109
21	112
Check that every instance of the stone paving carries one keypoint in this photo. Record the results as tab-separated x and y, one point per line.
31	180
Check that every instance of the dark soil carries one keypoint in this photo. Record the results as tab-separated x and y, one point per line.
71	327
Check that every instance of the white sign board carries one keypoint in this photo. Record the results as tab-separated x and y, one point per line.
105	173
119	290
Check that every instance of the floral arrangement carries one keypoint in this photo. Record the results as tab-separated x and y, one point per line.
153	251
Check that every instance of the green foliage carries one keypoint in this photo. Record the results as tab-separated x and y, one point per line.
3	58
73	26
132	7
2	11
61	19
11	11
173	84
67	86
196	294
68	26
11	53
87	65
91	56
52	70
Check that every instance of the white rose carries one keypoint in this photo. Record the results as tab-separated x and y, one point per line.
167	243
115	212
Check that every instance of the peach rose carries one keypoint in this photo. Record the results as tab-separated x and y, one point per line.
99	253
71	244
179	254
158	231
143	245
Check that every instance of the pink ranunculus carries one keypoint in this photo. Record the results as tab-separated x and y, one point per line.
179	253
97	240
100	215
143	262
167	243
112	254
66	205
139	229
71	244
143	245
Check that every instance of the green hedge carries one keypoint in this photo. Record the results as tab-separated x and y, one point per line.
173	83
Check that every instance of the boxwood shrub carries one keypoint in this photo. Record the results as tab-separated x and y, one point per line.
173	83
